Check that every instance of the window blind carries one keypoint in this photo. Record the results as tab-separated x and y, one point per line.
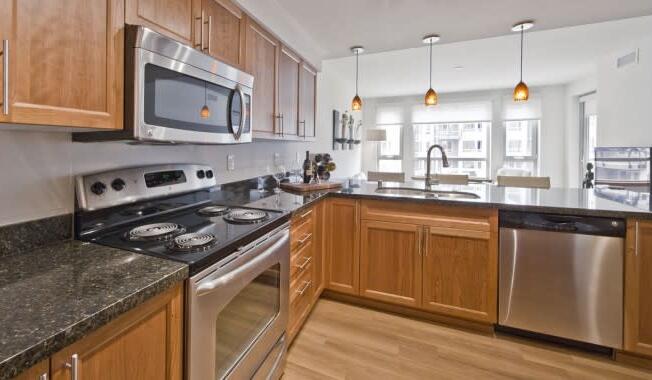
521	110
452	112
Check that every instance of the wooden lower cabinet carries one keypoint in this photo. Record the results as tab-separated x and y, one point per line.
390	262
638	287
343	239
460	274
39	371
144	343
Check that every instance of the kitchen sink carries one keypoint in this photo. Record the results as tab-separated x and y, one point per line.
426	193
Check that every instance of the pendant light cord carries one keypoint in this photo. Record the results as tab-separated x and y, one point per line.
356	71
522	31
431	63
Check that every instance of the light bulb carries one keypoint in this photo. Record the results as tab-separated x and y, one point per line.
205	112
356	104
431	98
521	92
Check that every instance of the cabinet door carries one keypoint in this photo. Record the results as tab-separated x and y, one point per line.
343	272
224	25
144	343
390	262
307	98
638	287
67	63
460	273
6	7
38	371
262	59
169	17
288	91
318	249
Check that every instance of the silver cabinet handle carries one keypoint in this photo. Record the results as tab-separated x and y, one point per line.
200	45
210	29
300	291
305	238
305	263
44	376
74	367
637	238
5	77
282	125
304	215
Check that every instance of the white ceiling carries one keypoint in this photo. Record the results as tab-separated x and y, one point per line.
383	25
551	57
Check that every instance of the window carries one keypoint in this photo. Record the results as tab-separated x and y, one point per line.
588	130
390	152
521	140
465	144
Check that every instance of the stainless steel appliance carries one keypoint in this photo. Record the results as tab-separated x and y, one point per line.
623	168
238	257
562	276
176	94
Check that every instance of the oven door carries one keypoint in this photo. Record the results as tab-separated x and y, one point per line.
238	312
180	103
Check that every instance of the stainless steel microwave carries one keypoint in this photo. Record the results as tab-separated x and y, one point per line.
176	94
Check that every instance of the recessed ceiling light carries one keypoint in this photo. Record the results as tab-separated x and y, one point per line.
523	26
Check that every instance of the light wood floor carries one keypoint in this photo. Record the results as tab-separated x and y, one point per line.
341	341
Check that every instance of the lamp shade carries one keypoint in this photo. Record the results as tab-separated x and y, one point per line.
376	135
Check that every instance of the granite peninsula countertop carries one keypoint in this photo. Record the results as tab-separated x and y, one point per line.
52	296
587	202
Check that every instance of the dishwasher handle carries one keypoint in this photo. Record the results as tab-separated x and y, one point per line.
587	225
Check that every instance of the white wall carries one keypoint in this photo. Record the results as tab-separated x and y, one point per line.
38	167
552	156
625	98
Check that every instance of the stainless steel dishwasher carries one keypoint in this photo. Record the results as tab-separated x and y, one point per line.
562	276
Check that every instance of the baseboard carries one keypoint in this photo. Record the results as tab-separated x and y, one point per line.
633	359
486	329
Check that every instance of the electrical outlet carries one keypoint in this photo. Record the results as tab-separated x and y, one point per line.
277	159
230	162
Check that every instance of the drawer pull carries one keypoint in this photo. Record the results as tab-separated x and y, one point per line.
305	263
305	215
305	287
306	237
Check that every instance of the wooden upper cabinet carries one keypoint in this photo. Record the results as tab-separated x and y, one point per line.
638	287
343	262
460	273
173	18
288	91
66	63
223	31
261	61
144	343
307	100
390	262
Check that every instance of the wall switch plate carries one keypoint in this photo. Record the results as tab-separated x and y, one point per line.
230	162
277	159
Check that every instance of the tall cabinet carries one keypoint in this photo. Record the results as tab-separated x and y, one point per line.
65	62
638	287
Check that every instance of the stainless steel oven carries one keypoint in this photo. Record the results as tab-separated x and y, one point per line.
237	313
176	94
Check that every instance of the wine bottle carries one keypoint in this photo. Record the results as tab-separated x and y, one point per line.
307	168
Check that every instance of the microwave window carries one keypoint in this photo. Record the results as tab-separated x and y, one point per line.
176	100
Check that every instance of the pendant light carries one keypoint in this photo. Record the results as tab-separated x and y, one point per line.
431	97
205	113
521	91
356	104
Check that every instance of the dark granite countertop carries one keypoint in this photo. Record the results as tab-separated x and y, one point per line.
587	202
56	294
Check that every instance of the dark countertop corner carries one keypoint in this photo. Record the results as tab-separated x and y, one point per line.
56	294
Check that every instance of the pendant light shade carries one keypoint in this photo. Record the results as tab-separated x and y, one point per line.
431	98
205	113
521	91
356	103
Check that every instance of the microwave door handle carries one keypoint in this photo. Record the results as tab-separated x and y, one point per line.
243	113
248	268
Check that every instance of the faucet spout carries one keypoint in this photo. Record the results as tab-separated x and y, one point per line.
444	160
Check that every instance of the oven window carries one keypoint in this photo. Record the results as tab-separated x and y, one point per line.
245	318
175	100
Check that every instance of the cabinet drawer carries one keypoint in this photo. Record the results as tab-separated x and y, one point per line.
301	295
300	260
306	215
301	235
438	217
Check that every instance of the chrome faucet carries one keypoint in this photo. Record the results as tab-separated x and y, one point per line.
444	160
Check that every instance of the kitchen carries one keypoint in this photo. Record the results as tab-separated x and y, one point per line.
155	223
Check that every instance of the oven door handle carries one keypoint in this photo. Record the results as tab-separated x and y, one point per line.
252	266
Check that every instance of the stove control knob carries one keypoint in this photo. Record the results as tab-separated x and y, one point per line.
118	184
98	188
201	174
209	174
